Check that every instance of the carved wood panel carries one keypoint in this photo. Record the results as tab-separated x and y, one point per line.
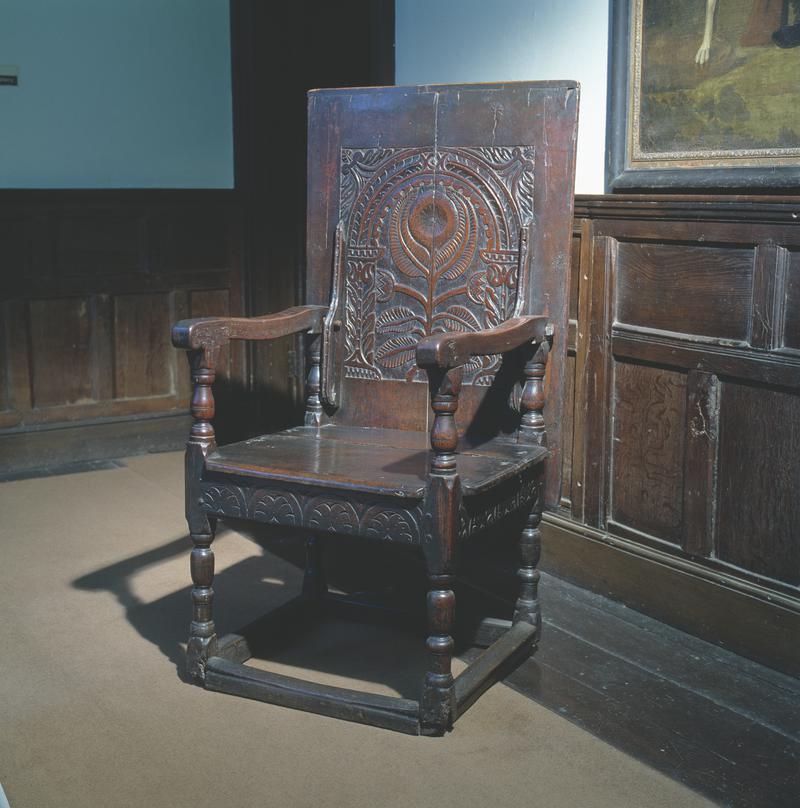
434	242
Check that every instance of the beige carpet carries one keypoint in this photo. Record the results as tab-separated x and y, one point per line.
94	604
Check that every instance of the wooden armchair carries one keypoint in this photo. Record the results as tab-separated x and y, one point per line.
438	241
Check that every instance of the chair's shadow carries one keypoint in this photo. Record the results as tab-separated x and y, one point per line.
391	657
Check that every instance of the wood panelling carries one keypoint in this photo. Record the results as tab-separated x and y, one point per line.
647	449
91	284
791	310
686	404
684	288
189	242
59	345
758	510
16	253
567	431
574	283
700	461
99	244
141	344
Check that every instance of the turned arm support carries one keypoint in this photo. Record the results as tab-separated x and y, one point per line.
208	334
204	337
443	357
454	348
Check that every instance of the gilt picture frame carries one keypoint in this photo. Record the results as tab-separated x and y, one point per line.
704	95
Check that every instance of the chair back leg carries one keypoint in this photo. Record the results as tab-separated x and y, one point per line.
526	608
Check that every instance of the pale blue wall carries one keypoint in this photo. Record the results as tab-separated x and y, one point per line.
446	41
116	93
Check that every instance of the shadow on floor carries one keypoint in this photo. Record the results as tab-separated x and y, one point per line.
722	725
390	658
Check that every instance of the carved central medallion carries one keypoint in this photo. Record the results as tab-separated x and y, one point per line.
434	242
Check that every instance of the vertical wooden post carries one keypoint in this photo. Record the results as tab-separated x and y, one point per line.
441	509
314	584
526	608
445	388
532	428
313	415
202	632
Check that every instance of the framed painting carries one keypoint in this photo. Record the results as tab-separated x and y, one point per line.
704	94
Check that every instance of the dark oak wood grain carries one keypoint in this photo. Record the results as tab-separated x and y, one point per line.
647	450
685	288
91	282
790	304
455	348
758	510
438	234
684	410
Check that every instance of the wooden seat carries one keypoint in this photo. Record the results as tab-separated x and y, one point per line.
438	241
388	462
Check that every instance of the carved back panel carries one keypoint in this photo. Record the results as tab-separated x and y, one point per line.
452	208
434	241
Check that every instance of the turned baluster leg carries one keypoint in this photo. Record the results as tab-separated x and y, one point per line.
202	633
532	428
313	415
526	609
443	500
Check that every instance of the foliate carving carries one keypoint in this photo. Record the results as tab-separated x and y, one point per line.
276	508
380	522
475	519
435	240
360	515
364	516
332	515
224	499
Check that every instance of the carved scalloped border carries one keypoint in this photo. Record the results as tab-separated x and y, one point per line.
360	515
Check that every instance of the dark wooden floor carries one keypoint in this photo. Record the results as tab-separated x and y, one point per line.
54	449
719	723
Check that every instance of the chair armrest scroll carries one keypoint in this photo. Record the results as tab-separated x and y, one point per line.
454	348
210	333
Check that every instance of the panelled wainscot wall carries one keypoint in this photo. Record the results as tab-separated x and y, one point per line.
90	284
681	490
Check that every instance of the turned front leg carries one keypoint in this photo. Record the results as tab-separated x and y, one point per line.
442	505
438	706
202	633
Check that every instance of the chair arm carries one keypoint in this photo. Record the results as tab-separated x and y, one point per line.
454	348
211	333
